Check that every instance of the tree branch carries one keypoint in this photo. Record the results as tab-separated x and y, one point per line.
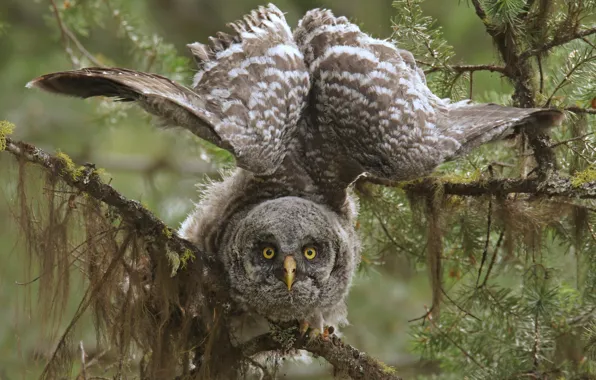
519	71
467	68
341	355
556	187
579	110
88	181
557	42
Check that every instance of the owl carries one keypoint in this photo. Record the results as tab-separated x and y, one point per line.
305	113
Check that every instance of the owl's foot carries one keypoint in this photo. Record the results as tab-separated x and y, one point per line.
314	333
304	328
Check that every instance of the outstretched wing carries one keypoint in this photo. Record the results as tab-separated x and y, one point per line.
371	111
247	96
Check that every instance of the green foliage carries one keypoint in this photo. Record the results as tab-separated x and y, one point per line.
419	34
505	12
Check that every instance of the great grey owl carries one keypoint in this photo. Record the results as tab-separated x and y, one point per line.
305	113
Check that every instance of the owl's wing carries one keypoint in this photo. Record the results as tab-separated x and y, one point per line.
370	110
246	98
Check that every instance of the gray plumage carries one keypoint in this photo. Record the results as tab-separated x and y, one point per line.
305	114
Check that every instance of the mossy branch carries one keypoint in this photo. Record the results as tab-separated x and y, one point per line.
343	357
582	185
86	179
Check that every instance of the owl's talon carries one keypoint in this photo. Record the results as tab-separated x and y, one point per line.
314	334
304	326
327	331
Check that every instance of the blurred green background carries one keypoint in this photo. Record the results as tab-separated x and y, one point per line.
161	167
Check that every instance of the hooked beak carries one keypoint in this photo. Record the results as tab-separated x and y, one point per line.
289	271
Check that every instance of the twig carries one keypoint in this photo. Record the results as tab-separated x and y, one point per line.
423	317
64	36
93	361
580	154
480	12
591	111
82	48
466	68
592	233
541	73
493	258
459	347
388	235
556	42
536	346
568	76
60	23
464	311
572	139
471	84
67	35
83	364
487	241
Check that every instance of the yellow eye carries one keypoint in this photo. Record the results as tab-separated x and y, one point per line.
268	252
310	253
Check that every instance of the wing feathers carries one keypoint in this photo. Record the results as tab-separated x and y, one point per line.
155	93
247	96
369	109
475	124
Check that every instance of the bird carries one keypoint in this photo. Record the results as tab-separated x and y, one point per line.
305	113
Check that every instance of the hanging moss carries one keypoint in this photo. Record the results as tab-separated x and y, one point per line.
6	129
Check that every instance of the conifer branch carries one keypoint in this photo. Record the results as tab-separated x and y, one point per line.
557	187
66	35
557	41
466	68
579	110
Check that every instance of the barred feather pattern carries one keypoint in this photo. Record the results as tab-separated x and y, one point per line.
257	82
311	110
371	100
370	103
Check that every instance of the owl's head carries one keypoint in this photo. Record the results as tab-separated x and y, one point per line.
290	256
